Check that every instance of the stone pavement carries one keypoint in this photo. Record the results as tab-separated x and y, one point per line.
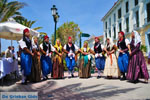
83	89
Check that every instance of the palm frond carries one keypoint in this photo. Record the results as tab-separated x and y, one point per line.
37	28
9	9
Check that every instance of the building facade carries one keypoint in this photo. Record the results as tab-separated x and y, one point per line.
126	16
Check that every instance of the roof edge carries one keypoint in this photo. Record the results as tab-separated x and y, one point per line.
115	4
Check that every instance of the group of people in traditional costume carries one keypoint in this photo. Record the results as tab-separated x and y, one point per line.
130	64
37	61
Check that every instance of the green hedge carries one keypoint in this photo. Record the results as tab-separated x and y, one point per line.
143	48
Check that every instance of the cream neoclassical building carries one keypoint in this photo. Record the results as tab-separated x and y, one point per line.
128	15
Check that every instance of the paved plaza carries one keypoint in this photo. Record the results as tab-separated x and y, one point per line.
82	89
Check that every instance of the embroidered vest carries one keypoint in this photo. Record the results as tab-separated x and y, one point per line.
97	48
122	44
70	48
45	47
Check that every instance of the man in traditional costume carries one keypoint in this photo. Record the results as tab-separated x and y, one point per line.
26	55
46	49
70	49
99	57
123	59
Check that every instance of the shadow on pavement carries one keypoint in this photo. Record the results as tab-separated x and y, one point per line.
48	91
74	92
8	81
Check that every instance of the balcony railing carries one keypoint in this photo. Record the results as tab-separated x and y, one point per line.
146	20
114	37
135	26
105	30
127	30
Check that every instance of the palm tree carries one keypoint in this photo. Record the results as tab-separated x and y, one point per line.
9	9
42	34
26	22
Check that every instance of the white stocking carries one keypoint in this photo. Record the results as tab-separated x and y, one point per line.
99	72
23	77
69	72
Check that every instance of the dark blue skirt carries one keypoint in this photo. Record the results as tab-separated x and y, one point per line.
26	63
123	61
46	65
100	63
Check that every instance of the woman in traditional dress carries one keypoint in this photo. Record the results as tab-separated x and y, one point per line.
123	59
99	57
111	65
46	49
137	64
85	61
36	65
58	66
26	55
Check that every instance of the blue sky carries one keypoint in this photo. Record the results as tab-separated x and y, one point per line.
86	13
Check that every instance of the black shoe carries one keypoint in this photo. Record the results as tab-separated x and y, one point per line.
46	77
123	78
109	77
98	77
135	81
72	75
25	83
69	76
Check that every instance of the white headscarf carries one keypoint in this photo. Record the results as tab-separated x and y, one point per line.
33	43
111	44
137	38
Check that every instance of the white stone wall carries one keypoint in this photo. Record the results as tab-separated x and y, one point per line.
131	14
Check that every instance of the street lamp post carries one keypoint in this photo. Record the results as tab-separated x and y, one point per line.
56	17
